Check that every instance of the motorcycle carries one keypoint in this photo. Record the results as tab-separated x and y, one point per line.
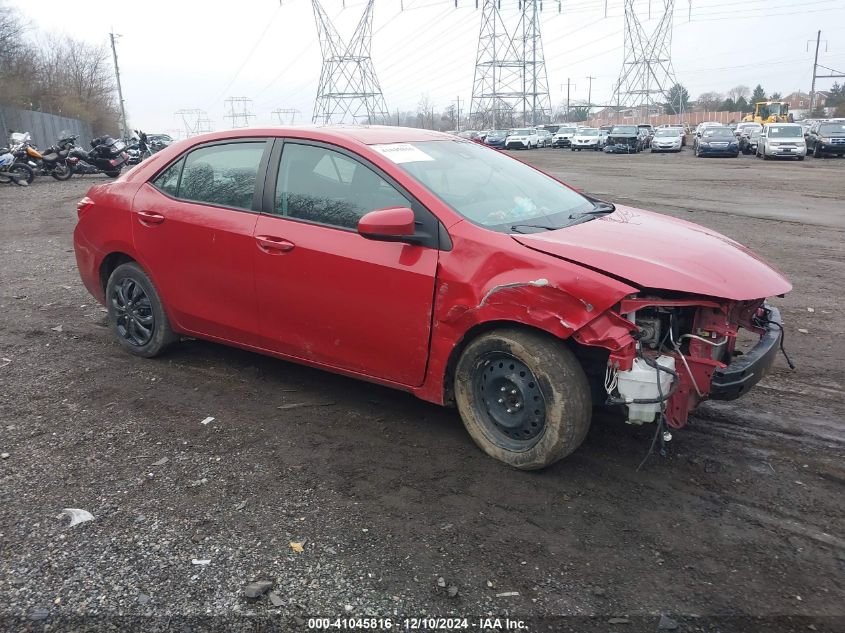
11	171
138	148
107	156
53	162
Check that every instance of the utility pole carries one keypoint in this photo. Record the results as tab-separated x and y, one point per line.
590	92
458	115
815	69
123	129
534	69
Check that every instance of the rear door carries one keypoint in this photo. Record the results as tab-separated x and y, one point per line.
193	224
325	293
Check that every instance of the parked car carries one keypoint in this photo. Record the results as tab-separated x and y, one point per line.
544	138
667	139
496	138
748	144
588	138
826	137
434	265
522	138
782	140
624	139
648	128
158	142
716	141
564	135
702	126
745	129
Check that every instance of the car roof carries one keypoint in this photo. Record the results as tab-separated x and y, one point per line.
364	134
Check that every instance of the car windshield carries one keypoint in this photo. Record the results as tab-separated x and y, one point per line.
566	130
588	133
832	128
719	132
497	134
625	130
667	132
786	131
521	132
489	188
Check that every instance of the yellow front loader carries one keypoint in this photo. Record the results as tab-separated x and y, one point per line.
769	112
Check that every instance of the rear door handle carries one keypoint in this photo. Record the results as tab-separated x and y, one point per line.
273	245
150	217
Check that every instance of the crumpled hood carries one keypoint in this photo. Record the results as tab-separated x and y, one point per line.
660	252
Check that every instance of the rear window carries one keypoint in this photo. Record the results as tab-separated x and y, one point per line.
221	175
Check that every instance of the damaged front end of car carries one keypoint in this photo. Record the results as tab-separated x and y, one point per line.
667	355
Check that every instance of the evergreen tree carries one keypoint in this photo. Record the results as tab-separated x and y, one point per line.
758	95
728	105
742	105
678	100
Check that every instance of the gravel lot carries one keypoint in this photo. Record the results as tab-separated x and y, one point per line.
738	529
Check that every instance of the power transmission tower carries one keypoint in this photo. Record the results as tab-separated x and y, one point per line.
286	116
647	74
239	111
349	89
510	70
194	121
123	127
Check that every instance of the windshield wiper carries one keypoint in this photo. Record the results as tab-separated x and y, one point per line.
599	208
515	227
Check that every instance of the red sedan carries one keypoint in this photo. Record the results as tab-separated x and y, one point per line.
431	264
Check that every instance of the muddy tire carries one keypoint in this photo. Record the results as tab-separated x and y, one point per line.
136	314
523	397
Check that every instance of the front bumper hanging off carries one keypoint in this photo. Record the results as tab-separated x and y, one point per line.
745	371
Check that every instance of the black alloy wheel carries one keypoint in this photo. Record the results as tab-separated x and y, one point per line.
133	311
136	314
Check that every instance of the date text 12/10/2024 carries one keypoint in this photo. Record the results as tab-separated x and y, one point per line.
417	624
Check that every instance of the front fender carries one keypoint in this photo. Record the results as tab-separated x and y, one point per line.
513	285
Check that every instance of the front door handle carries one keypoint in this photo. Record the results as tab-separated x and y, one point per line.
273	245
150	217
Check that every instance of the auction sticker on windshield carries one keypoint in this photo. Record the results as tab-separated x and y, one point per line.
402	153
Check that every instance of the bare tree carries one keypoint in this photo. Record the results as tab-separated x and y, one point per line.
710	101
739	92
425	113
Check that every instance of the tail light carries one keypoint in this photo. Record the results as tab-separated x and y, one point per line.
83	205
114	162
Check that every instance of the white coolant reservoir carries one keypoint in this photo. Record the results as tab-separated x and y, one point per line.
640	383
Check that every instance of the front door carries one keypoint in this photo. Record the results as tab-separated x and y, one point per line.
194	226
325	293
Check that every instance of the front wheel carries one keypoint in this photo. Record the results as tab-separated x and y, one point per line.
136	314
523	397
21	174
114	173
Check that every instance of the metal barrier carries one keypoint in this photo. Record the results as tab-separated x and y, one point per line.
44	128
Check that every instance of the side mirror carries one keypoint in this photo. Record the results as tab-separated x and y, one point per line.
395	224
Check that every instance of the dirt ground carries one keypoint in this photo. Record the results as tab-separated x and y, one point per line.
739	528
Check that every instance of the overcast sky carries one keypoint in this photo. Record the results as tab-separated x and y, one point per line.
180	54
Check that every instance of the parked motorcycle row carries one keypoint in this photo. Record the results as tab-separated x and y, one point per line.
21	161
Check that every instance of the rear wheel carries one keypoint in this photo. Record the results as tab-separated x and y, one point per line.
62	171
523	397
136	314
114	173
